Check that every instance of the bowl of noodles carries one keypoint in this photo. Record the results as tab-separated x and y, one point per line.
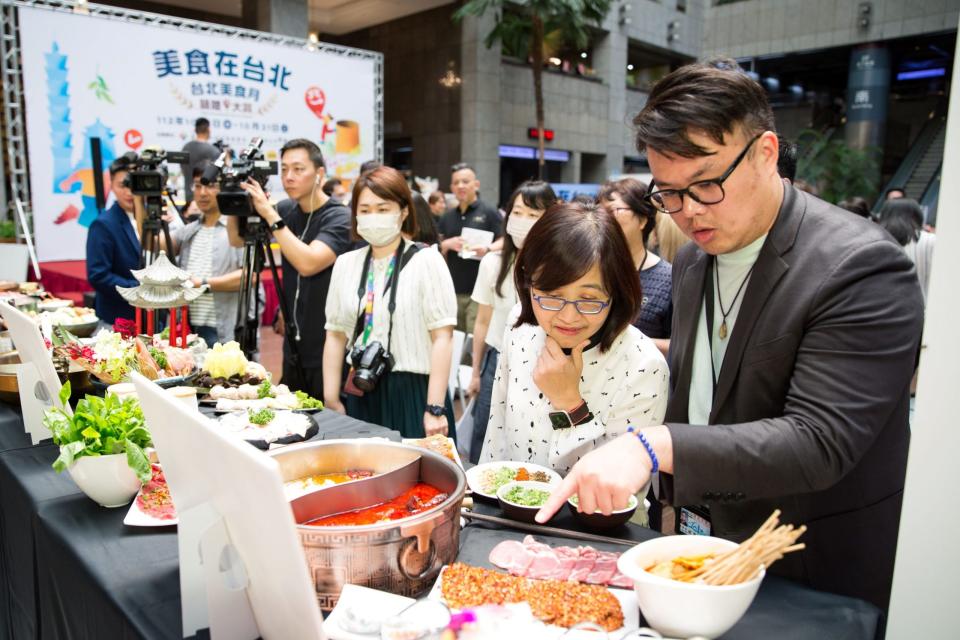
680	608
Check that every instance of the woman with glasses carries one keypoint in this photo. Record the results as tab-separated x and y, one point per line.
625	199
573	371
495	296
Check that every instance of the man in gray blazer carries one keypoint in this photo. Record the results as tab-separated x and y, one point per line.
796	328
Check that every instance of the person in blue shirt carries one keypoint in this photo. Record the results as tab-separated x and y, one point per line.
113	248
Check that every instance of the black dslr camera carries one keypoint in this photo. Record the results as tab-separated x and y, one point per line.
369	364
231	172
148	173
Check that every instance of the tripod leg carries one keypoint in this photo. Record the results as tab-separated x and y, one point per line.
289	326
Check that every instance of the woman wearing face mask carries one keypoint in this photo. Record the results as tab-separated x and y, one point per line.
495	296
573	372
400	298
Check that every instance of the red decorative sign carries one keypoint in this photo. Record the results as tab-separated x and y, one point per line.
133	139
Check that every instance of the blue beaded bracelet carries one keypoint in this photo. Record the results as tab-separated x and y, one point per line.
646	445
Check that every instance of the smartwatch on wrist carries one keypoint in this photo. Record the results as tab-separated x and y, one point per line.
435	410
279	224
573	418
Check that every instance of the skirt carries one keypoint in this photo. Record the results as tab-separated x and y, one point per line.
398	402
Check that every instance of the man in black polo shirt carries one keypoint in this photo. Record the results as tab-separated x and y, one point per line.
312	229
474	213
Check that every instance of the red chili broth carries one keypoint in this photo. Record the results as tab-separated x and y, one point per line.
417	499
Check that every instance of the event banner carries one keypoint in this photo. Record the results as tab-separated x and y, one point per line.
135	86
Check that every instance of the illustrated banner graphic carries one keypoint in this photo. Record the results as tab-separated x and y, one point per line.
136	86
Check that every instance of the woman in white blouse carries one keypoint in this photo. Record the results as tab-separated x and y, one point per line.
573	373
411	393
495	296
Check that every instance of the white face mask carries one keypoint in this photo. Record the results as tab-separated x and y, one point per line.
378	229
518	228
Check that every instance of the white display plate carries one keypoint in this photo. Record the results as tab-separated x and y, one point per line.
628	603
363	598
475	475
137	518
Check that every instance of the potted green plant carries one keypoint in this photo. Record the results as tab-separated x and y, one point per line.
102	446
8	231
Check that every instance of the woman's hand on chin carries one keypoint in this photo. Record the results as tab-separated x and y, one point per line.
558	375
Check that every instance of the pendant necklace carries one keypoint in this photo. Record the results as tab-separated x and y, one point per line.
723	325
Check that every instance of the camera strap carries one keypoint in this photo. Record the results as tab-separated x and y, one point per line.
400	259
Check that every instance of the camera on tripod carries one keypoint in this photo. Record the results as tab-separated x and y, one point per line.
148	173
231	172
369	365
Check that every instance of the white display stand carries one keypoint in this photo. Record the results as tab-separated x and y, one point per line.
36	377
243	573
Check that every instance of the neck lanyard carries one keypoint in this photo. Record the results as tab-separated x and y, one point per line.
708	300
368	308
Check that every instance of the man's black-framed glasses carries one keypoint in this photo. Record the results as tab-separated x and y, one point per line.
704	191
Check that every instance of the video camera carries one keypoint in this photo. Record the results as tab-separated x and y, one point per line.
148	173
231	172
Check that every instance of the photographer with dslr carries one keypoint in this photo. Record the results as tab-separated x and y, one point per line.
312	230
205	252
393	307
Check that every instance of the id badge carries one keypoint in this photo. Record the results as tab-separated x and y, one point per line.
349	387
693	522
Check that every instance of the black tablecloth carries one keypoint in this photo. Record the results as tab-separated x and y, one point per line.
75	571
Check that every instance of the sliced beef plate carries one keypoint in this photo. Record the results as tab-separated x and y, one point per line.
586	558
532	559
604	568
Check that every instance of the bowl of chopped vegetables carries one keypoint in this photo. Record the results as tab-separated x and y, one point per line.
487	478
597	520
521	500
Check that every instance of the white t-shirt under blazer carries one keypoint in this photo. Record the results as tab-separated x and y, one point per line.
627	385
425	301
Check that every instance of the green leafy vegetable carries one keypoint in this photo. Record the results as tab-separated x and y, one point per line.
304	401
159	356
261	417
100	427
526	497
265	390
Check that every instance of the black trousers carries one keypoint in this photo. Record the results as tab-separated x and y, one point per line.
311	382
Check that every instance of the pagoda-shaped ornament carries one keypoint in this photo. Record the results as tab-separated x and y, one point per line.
163	285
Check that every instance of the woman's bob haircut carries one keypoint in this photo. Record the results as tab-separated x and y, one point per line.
564	244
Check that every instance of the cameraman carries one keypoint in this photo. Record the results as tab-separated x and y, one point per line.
410	393
113	247
205	252
312	230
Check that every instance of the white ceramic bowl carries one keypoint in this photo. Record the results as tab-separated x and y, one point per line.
683	609
107	480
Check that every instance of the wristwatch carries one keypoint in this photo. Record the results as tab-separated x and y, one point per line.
279	224
435	410
204	282
572	418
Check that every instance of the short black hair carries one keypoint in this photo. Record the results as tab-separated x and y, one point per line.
713	97
902	218
125	162
856	205
787	161
462	166
316	156
330	185
202	125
